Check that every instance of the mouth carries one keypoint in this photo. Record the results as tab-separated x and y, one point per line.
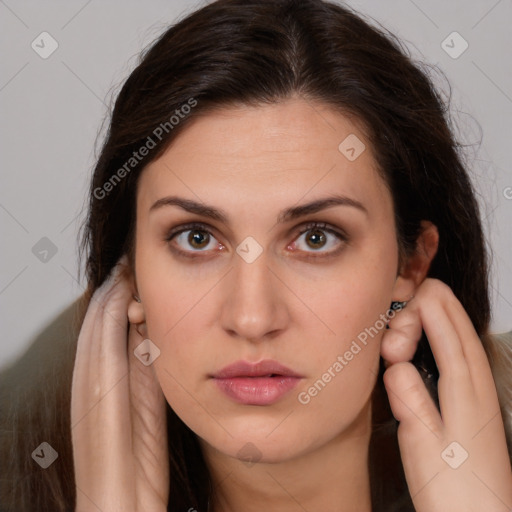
266	368
262	383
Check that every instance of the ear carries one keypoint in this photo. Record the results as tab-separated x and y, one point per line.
415	269
136	313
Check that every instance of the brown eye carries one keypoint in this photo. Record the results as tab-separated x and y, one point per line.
198	239
316	239
318	236
195	240
192	238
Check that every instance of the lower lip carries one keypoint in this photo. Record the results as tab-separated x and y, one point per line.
257	390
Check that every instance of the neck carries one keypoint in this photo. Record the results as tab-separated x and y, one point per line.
333	477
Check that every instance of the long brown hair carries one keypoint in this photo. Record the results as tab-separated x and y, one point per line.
258	52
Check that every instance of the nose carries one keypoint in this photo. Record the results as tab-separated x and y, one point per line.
254	308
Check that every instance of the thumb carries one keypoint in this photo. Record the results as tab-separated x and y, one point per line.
400	341
409	399
421	429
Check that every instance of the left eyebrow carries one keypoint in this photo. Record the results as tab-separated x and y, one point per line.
318	205
285	215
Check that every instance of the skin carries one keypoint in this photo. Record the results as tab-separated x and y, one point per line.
282	306
206	313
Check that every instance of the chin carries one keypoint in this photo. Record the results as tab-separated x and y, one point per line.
251	444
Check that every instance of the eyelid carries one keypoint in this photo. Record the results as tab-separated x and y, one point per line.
200	226
339	233
303	228
325	226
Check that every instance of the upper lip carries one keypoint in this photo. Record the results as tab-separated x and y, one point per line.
261	369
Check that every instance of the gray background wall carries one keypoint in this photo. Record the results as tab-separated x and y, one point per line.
52	110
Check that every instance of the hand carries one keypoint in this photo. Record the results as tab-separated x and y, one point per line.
434	446
118	421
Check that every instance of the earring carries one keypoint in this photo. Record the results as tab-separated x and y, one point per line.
136	298
400	305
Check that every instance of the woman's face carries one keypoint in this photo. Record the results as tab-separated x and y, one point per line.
255	282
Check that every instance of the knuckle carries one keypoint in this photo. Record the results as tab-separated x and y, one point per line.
394	376
458	371
437	290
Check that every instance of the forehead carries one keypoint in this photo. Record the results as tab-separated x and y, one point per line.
272	153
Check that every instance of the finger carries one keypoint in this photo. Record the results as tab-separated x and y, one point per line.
420	429
101	448
115	292
101	347
400	341
96	310
411	403
472	347
455	387
442	337
149	424
100	358
100	397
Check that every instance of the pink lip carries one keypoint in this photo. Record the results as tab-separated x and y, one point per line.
260	383
262	369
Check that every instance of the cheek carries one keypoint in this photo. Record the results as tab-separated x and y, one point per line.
182	369
350	302
182	343
334	333
176	310
346	357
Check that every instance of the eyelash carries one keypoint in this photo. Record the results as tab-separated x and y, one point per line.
198	226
